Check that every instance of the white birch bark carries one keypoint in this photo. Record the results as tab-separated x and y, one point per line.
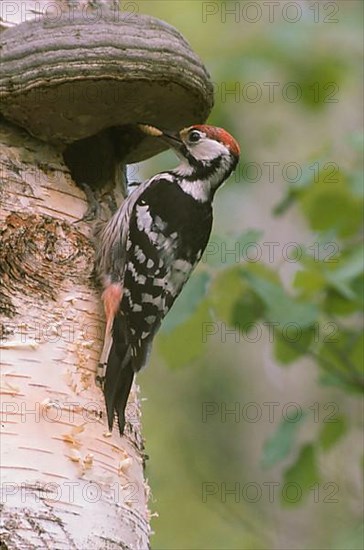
66	483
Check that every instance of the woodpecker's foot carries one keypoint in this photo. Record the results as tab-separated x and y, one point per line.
111	202
100	376
132	185
94	209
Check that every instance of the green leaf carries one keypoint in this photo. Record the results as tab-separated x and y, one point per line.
187	302
188	341
309	282
340	278
232	299
356	355
280	444
282	308
350	267
329	204
358	287
335	347
336	304
225	291
248	309
335	380
292	343
341	358
332	431
299	478
339	283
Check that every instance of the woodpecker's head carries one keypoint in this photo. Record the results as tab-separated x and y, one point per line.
208	156
203	143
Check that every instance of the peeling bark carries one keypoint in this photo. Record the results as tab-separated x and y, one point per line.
66	482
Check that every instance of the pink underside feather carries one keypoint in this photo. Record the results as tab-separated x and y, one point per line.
111	297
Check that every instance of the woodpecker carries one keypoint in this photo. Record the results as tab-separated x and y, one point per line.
150	247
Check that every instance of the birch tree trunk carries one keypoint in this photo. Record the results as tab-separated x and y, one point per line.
66	482
80	85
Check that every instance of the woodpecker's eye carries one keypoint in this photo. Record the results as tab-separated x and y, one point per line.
194	136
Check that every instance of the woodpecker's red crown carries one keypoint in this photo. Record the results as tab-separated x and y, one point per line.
218	134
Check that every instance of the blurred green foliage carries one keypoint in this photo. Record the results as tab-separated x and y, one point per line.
209	361
308	319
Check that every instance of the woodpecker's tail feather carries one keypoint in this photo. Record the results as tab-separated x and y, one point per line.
118	381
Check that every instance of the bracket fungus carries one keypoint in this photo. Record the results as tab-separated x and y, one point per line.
83	83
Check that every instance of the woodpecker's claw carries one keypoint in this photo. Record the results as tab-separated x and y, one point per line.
100	376
94	208
111	202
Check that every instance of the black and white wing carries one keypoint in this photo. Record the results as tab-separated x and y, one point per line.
167	234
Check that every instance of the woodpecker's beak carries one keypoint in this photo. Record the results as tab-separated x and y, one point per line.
172	138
